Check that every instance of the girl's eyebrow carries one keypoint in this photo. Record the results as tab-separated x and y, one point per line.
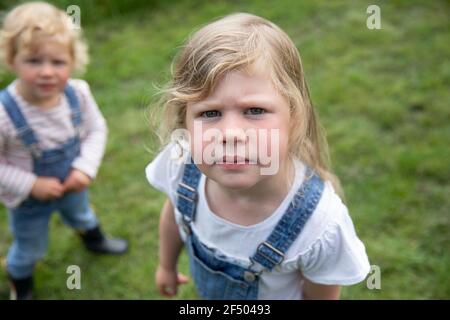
255	100
206	104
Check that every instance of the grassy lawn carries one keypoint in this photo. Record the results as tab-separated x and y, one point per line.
382	95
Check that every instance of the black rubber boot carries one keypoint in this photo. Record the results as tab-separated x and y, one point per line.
95	241
21	289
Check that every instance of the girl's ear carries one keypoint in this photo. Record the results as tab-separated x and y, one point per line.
72	65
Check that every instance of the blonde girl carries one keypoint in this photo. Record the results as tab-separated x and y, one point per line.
52	138
249	234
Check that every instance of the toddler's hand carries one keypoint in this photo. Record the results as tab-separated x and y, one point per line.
76	181
167	281
47	188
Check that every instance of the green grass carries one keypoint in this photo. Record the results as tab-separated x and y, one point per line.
382	96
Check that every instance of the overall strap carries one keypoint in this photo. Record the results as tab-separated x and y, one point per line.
271	252
74	106
24	132
187	192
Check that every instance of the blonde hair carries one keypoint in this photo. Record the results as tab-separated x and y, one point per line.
239	41
27	24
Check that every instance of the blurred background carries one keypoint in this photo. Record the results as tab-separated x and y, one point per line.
382	96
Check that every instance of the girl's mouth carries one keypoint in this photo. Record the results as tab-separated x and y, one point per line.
47	86
234	162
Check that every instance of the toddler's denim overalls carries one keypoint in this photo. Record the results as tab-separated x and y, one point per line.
29	221
220	277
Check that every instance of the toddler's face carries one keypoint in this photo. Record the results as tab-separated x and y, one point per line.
239	133
43	73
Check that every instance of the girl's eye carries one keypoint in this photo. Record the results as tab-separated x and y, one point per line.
59	62
33	61
210	114
255	111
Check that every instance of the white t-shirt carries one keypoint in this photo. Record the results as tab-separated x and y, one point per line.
327	251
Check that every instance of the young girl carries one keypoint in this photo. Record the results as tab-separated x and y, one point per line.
52	138
254	229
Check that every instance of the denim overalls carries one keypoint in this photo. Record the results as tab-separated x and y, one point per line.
29	221
219	277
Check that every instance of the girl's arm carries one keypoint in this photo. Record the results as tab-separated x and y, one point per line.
19	183
13	179
315	291
170	242
170	245
94	133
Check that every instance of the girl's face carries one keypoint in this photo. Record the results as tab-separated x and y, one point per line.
239	133
43	73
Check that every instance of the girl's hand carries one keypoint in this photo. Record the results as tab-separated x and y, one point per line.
76	181
167	281
47	188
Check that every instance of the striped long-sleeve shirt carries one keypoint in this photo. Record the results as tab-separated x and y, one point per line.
52	128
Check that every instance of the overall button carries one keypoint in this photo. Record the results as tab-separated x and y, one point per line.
186	229
249	276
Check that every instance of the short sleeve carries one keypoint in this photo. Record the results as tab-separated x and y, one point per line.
164	172
338	257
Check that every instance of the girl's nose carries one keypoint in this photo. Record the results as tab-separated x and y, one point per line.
234	135
46	70
233	130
